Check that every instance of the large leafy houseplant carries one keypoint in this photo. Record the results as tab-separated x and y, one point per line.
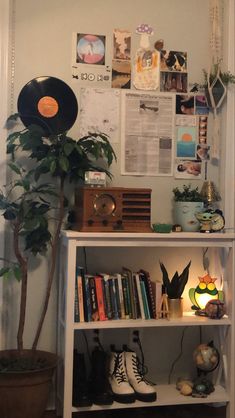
32	203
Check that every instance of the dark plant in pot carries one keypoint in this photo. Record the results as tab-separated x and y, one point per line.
34	204
215	85
187	202
174	289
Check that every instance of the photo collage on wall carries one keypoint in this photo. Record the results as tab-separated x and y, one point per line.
191	135
103	62
173	71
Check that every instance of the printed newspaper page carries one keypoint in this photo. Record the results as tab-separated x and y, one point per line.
99	112
147	134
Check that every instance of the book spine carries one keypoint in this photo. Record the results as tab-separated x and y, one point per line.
149	294
115	281
100	298
125	298
157	295
88	299
145	300
132	295
80	298
94	304
136	297
128	294
121	298
80	271
142	313
76	307
113	299
107	297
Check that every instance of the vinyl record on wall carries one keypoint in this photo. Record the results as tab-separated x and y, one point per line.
49	103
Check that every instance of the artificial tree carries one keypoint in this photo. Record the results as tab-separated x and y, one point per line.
27	201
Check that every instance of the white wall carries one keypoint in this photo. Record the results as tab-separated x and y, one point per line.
43	38
4	45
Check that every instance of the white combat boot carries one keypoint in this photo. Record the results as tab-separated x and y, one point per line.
144	391
122	390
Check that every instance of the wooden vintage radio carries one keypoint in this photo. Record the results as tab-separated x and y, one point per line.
109	209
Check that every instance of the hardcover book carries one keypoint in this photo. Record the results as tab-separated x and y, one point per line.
149	293
94	303
100	298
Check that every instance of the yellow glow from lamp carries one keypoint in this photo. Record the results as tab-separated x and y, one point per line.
203	298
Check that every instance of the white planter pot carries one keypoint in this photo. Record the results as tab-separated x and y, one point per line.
184	215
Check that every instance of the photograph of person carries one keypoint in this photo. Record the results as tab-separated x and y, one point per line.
203	152
185	104
188	169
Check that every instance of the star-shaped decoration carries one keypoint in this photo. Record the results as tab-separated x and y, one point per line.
207	279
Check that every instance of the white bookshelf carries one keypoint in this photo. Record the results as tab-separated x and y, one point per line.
166	394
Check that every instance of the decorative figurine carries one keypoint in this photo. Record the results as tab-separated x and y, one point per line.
211	220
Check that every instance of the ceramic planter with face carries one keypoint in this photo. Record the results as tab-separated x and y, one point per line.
184	215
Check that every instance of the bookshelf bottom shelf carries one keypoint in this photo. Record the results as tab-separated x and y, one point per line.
166	395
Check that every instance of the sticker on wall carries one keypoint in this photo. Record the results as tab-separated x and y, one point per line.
147	62
186	142
89	59
121	63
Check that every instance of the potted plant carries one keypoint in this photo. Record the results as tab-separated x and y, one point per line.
215	85
34	208
174	289
187	202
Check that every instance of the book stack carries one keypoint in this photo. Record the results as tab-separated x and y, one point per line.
124	295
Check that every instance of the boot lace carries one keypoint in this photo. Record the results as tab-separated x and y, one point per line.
139	370
119	370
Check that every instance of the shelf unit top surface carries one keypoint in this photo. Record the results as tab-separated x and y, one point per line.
220	239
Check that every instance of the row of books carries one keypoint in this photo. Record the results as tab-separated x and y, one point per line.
125	295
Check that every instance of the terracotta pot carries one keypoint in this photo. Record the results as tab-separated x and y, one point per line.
24	394
175	308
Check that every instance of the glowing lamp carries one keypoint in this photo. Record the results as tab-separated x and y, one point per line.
204	292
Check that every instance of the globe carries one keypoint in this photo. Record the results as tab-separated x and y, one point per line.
206	357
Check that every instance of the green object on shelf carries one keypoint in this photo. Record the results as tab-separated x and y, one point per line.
163	228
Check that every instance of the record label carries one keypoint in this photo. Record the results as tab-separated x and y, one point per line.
48	106
49	103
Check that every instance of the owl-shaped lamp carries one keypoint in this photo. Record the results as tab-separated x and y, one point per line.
204	292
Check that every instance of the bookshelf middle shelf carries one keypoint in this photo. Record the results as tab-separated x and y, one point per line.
188	319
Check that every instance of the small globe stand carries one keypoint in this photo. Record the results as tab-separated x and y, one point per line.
207	359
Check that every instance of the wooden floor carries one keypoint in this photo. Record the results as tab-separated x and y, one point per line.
192	411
